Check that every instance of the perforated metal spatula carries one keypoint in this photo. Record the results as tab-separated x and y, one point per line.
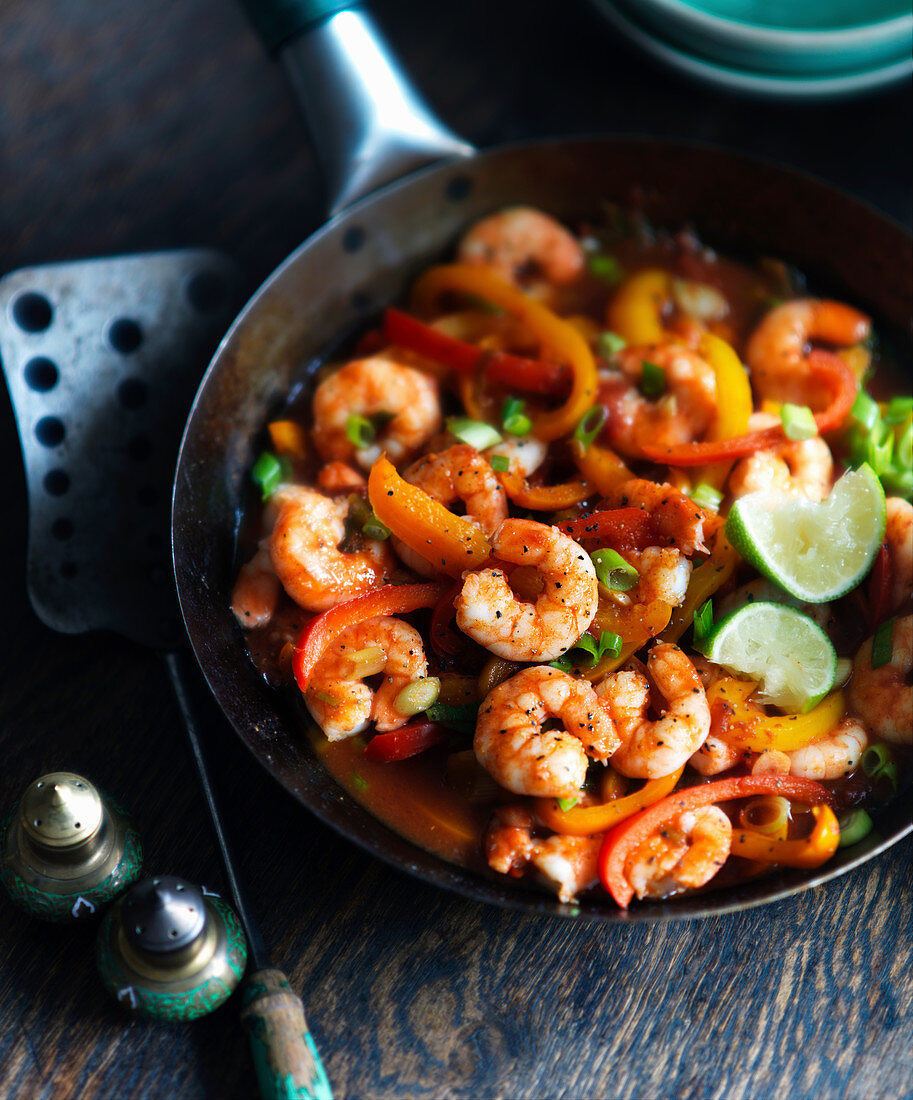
102	359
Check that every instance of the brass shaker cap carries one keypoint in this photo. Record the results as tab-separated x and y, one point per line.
61	810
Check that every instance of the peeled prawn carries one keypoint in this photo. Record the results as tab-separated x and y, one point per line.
683	855
663	574
524	454
675	516
256	591
803	468
835	755
375	387
305	555
883	697
899	539
518	753
340	703
652	749
489	612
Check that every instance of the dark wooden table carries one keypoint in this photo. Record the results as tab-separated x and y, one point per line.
126	127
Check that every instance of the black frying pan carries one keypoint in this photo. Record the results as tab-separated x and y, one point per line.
365	258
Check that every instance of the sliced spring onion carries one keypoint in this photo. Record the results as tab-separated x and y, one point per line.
513	418
499	463
360	782
452	712
368	662
875	759
652	379
359	511
705	496
899	408
768	815
373	528
606	267
854	826
590	424
609	344
613	572
883	644
865	410
798	422
565	804
269	472
587	652
703	621
417	696
360	432
327	699
476	433
843	672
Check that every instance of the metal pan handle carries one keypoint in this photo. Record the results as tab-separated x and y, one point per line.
368	122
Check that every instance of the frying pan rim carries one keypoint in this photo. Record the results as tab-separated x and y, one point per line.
474	885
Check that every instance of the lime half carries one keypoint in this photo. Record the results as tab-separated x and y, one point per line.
786	652
817	552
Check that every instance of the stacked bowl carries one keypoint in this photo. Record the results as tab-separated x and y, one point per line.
789	48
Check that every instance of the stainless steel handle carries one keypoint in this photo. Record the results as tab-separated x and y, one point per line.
369	124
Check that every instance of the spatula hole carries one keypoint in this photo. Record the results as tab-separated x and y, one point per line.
62	529
125	335
41	374
56	482
68	570
133	393
139	448
49	431
32	312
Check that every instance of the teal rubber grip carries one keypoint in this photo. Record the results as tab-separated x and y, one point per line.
277	21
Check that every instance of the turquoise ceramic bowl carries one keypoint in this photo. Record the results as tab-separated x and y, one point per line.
798	38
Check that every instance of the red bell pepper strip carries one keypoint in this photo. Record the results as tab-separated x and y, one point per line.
392	599
843	387
407	741
465	358
444	639
618	528
880	586
627	836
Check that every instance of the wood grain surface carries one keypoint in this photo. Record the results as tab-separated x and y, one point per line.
126	127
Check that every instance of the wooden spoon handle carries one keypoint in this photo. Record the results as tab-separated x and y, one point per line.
288	1065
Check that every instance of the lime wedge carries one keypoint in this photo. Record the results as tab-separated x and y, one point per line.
817	552
786	652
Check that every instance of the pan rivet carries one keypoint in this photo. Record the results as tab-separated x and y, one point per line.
353	239
68	849
32	312
124	335
40	374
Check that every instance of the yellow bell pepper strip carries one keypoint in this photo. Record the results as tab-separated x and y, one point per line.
705	580
810	851
635	625
734	404
450	543
625	838
588	820
636	309
744	725
544	498
600	466
558	337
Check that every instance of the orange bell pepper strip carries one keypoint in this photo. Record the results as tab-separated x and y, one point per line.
392	599
635	311
810	851
288	438
836	374
709	576
635	625
451	543
556	336
588	820
744	725
624	839
544	498
600	466
734	404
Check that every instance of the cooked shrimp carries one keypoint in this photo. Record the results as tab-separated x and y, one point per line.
372	387
525	247
461	473
650	750
834	755
804	468
883	697
339	477
682	855
681	414
518	753
777	348
677	518
663	574
899	537
304	551
489	612
568	863
715	756
340	703
525	454
771	762
256	591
